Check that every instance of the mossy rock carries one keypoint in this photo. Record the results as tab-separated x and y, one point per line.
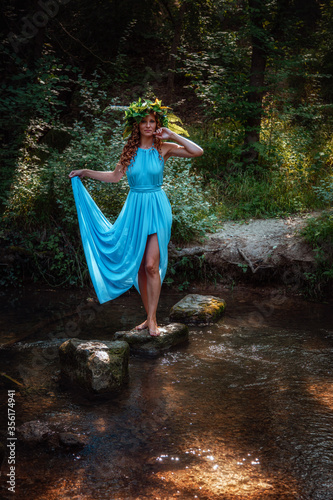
198	309
97	367
142	343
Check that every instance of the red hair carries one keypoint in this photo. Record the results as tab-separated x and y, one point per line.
130	149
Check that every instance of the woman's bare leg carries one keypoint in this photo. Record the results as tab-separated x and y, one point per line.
150	283
153	281
142	278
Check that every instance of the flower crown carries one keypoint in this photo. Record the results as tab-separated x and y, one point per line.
141	108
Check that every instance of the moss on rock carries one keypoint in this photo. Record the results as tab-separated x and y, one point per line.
196	308
96	367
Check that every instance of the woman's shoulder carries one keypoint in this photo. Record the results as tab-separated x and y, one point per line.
166	149
166	146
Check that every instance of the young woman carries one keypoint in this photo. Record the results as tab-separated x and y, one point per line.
134	250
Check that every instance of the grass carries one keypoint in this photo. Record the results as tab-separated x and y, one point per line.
293	162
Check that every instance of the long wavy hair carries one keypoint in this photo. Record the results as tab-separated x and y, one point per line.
131	147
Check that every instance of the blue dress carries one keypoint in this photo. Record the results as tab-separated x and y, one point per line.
114	251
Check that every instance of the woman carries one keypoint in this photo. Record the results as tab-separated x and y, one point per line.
133	251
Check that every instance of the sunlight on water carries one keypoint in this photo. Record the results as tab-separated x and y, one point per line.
323	393
222	475
244	411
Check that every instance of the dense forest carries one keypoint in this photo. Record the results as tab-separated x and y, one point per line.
252	81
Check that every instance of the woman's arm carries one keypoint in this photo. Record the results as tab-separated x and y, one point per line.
183	149
99	175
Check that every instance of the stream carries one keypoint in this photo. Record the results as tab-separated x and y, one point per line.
243	411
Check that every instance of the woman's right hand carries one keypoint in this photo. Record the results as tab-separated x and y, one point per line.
78	173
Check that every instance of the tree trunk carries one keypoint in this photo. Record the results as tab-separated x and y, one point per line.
173	52
257	78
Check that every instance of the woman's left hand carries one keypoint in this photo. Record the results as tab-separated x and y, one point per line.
164	133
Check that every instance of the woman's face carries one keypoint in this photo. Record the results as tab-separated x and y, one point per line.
147	125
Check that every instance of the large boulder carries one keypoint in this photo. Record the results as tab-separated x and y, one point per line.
198	309
142	343
99	368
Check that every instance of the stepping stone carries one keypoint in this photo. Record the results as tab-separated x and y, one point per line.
34	432
198	309
97	367
37	432
142	343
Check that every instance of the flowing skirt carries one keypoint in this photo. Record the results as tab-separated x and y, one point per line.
114	251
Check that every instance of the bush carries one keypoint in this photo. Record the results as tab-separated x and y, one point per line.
40	205
294	173
319	233
325	190
192	215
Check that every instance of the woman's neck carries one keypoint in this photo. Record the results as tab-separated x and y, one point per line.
146	143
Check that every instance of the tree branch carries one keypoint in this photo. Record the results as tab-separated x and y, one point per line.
84	46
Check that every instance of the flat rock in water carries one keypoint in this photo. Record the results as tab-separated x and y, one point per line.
71	440
141	342
34	432
194	309
37	432
97	367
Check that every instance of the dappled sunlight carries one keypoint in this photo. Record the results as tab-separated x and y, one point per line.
101	424
243	411
220	471
66	485
323	393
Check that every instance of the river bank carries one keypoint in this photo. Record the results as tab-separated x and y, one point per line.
263	251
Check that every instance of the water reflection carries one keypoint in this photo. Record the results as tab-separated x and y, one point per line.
242	411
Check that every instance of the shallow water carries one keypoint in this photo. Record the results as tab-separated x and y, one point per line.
243	411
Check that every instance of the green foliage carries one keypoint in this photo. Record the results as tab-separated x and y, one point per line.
52	120
41	186
56	260
325	190
319	233
41	194
139	109
42	255
223	76
192	215
243	267
295	163
218	74
40	204
183	272
30	103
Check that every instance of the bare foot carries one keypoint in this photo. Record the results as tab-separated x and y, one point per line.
143	326
153	329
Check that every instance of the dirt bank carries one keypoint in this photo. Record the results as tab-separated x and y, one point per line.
263	250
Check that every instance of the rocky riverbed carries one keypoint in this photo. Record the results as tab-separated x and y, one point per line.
241	410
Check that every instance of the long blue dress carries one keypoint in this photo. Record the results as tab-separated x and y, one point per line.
114	251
